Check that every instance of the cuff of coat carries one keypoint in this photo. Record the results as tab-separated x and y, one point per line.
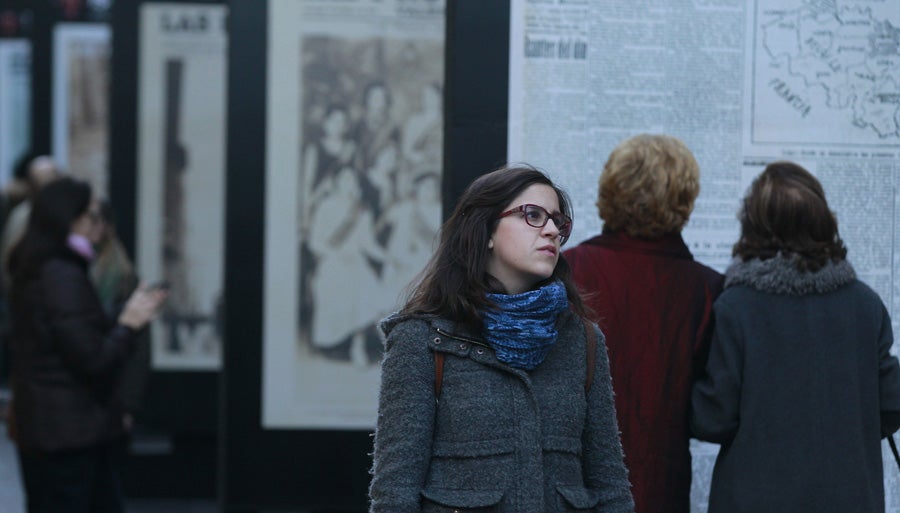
120	331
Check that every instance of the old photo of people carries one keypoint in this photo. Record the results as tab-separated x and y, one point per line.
353	196
370	188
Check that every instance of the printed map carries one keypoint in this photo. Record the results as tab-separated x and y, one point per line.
819	60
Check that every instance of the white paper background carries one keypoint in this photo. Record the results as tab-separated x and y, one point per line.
185	337
743	83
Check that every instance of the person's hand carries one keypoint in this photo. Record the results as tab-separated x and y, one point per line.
143	306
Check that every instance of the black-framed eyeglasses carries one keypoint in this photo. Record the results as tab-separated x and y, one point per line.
537	216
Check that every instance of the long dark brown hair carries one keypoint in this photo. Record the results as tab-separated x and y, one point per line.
54	208
786	212
455	282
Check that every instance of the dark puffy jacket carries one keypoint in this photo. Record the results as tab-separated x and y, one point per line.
67	357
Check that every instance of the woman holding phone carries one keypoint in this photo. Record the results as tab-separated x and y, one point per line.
68	357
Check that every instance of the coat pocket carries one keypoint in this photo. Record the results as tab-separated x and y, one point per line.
436	500
472	466
562	460
578	497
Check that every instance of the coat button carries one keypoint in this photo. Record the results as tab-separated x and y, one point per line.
437	340
479	351
463	346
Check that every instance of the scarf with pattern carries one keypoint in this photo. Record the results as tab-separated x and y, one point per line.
522	329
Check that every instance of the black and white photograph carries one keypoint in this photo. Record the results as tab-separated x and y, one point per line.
81	54
15	101
366	115
182	178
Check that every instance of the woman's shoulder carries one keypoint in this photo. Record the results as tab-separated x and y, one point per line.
572	329
860	293
400	326
63	265
399	321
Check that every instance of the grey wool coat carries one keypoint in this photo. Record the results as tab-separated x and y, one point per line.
498	439
800	388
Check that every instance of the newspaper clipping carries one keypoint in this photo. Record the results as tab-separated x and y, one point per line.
181	164
353	195
15	101
743	83
81	53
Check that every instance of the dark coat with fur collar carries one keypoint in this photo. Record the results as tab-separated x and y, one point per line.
800	389
500	439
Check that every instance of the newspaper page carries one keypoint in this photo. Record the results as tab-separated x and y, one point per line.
15	101
181	177
743	83
81	53
353	188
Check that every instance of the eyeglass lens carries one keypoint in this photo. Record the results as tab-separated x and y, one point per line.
537	217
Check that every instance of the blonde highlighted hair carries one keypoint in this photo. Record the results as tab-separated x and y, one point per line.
648	186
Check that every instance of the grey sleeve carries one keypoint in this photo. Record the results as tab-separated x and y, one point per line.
403	435
603	458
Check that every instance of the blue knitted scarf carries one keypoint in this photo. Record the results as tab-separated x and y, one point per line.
523	328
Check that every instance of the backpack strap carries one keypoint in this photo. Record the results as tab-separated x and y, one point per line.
438	374
590	347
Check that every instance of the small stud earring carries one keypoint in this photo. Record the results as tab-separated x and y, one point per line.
491	244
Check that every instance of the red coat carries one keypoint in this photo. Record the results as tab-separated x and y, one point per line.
654	304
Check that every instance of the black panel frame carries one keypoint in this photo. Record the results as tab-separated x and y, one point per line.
180	406
317	470
265	469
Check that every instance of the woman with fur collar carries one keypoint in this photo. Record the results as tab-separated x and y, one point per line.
800	385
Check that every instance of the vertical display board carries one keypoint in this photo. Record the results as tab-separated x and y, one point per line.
353	197
81	54
181	177
743	83
324	469
179	458
15	103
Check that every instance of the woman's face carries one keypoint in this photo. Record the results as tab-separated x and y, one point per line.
376	104
88	224
335	123
522	255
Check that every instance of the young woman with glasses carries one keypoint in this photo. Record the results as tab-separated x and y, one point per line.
492	398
